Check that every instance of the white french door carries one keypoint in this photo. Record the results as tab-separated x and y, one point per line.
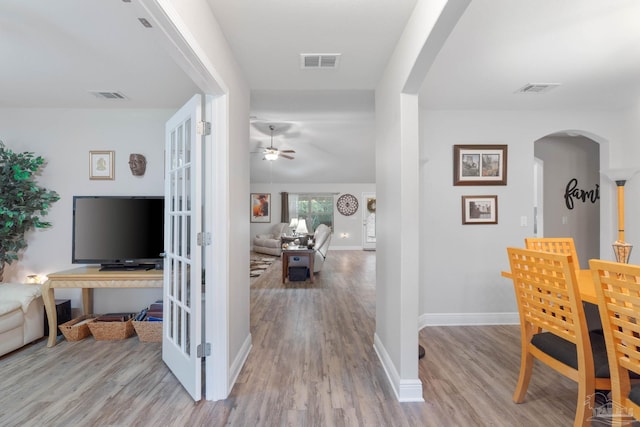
182	330
369	221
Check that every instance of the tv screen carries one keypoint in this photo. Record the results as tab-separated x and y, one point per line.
118	232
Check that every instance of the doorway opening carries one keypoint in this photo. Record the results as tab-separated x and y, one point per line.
567	191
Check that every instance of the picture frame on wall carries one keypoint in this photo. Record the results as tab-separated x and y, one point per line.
101	165
479	165
260	207
480	209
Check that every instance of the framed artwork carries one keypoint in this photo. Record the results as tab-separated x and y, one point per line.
260	207
101	165
479	165
479	209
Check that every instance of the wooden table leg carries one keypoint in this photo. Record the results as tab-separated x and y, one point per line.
52	316
285	267
87	300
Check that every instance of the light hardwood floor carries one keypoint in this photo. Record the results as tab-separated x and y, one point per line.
312	364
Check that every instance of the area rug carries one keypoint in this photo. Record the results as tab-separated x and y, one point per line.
259	264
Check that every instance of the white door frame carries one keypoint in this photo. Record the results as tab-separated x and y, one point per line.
538	197
216	260
166	20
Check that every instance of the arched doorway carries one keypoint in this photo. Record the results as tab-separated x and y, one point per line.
567	166
570	192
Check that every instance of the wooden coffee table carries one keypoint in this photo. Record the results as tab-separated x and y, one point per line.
301	251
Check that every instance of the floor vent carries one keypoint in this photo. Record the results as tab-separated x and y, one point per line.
537	87
319	60
107	95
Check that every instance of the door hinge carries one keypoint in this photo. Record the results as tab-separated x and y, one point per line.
203	128
203	239
203	350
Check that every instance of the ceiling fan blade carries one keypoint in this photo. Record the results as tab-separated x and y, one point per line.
286	156
287	151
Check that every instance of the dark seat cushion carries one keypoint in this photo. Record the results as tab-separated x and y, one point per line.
565	351
634	393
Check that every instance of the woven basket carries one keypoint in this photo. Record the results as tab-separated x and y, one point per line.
104	331
74	332
148	331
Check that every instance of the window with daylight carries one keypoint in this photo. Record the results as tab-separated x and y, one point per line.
315	208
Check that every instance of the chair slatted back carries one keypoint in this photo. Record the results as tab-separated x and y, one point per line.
618	291
558	245
546	292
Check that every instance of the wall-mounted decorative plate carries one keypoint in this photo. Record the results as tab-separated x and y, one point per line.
347	204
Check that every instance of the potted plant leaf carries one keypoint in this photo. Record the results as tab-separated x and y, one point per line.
23	203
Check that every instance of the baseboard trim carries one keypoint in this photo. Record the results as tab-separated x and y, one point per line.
239	362
405	390
467	319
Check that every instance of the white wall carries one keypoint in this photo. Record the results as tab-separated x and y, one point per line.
460	264
351	225
64	138
397	184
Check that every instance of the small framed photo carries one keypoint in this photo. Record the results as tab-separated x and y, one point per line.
101	165
479	209
479	165
260	207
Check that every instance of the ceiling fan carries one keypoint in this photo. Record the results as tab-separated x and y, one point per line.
271	153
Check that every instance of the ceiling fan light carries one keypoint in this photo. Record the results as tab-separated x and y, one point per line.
271	156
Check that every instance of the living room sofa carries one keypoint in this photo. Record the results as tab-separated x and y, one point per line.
21	315
321	238
270	243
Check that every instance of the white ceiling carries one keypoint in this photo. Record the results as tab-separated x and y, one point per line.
331	110
55	53
590	47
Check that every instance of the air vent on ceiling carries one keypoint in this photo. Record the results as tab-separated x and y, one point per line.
537	87
319	60
145	22
107	95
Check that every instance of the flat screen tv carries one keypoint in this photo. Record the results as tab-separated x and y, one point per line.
118	232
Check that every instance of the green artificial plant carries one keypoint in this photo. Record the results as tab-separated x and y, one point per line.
22	202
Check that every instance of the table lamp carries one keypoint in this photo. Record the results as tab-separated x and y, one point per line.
293	224
301	228
621	249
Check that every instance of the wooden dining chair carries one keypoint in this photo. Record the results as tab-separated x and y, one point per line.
565	245
618	291
553	327
558	245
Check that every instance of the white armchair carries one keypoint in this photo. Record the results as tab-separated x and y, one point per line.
321	238
270	243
